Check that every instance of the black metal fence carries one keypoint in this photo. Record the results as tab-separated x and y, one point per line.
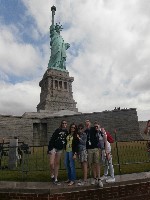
128	157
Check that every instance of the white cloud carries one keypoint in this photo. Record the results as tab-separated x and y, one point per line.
17	57
40	11
19	98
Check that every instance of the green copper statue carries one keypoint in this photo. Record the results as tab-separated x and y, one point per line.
58	47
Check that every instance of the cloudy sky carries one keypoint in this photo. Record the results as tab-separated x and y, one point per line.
109	56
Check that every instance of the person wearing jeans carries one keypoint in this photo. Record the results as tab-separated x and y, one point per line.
107	160
82	153
69	160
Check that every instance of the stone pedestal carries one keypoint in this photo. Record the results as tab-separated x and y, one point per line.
56	91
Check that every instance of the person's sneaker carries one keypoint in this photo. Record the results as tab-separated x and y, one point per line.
94	181
68	181
71	183
110	180
104	178
82	183
100	184
57	183
53	179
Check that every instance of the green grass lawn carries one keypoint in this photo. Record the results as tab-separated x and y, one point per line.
132	157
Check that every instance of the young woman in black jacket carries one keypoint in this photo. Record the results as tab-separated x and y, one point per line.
56	145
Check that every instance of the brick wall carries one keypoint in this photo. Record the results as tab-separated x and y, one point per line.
123	192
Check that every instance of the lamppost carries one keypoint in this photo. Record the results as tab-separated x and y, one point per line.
115	131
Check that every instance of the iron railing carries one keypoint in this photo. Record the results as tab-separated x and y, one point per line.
35	158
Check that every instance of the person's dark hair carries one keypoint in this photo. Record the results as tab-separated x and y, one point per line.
63	121
96	122
87	120
148	122
81	126
75	130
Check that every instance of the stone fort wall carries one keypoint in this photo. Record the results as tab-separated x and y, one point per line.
38	129
14	126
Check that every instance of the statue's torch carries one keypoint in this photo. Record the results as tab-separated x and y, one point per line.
53	9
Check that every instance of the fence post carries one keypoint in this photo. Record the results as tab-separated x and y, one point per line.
118	159
13	153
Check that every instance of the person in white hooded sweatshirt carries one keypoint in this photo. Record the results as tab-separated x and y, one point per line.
106	156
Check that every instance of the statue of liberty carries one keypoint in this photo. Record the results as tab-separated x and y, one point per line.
58	46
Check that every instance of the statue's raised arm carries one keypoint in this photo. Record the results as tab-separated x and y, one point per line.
58	46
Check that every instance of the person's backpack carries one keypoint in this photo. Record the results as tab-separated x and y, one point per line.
110	139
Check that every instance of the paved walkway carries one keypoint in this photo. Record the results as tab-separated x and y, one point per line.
48	187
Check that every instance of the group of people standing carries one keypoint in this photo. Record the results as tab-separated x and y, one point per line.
87	144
